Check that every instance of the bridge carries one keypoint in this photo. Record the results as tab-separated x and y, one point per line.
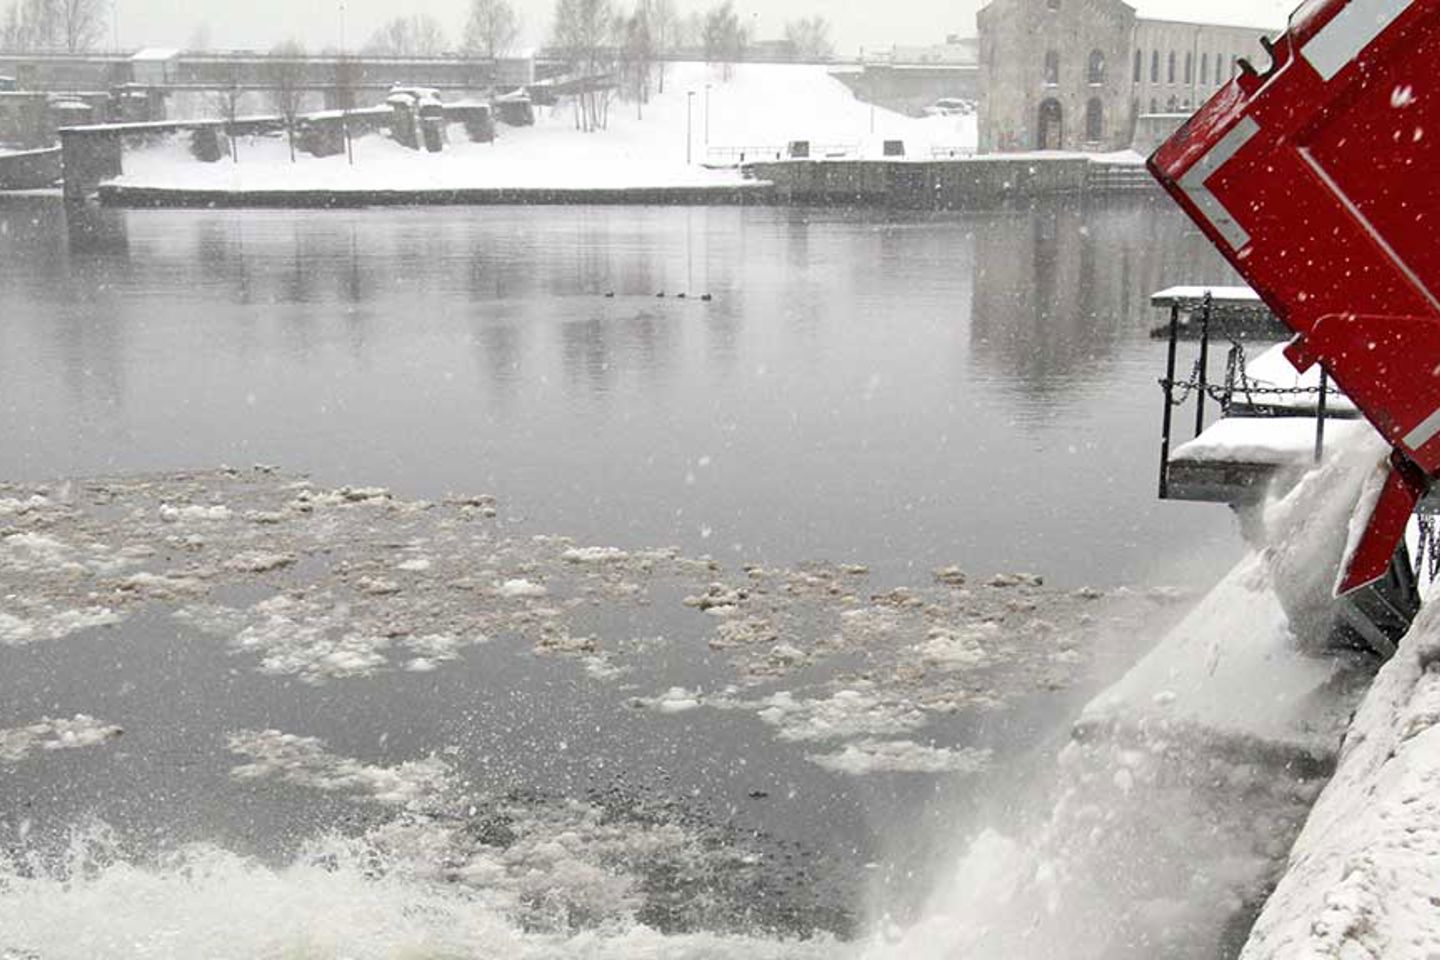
251	71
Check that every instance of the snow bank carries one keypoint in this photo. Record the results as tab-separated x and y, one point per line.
762	107
1280	441
1362	876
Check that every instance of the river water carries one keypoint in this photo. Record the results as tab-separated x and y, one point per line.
900	391
835	389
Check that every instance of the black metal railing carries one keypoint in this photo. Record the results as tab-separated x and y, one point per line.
1236	386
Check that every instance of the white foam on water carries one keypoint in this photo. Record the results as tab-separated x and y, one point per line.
337	901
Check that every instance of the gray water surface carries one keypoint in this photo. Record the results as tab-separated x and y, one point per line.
904	391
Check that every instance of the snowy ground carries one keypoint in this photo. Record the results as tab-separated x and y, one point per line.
1362	876
759	110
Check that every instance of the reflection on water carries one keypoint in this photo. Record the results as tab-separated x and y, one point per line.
906	391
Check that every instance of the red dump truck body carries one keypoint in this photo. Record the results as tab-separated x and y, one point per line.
1319	179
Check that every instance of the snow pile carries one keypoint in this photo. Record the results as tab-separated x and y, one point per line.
1361	881
1279	441
1187	780
758	111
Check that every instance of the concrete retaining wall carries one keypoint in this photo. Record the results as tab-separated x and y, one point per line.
930	185
30	170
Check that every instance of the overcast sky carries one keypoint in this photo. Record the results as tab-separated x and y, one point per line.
258	24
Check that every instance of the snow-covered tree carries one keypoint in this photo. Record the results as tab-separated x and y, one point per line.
492	28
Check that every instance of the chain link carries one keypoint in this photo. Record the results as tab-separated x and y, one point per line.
1236	381
1427	550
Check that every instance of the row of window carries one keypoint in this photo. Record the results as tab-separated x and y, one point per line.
1095	68
1094	71
1172	68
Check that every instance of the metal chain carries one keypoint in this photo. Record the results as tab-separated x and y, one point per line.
1236	382
1427	550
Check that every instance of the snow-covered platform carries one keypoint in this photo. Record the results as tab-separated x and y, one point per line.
1238	459
1236	312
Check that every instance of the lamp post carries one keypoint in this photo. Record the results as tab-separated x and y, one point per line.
346	91
689	119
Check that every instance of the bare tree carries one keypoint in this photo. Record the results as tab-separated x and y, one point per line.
637	56
200	40
347	83
664	33
71	25
585	32
81	23
418	35
492	28
724	38
226	103
809	39
13	35
285	76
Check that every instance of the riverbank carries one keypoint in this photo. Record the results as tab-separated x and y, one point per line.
687	141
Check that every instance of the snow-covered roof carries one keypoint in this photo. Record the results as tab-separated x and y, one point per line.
156	54
1266	14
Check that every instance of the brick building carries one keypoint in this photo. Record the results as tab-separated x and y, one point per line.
1101	75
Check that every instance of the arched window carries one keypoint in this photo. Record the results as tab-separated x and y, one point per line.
1154	106
1189	68
1155	66
1204	68
1139	62
1219	69
1094	120
1172	106
1171	73
1052	68
1095	72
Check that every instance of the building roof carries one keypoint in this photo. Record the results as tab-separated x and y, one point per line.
155	54
1264	14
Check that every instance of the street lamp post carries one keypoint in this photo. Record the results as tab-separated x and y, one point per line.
689	119
342	69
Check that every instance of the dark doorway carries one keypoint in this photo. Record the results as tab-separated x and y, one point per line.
1052	125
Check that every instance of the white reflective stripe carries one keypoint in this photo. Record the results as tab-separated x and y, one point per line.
1424	433
1193	183
1349	32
